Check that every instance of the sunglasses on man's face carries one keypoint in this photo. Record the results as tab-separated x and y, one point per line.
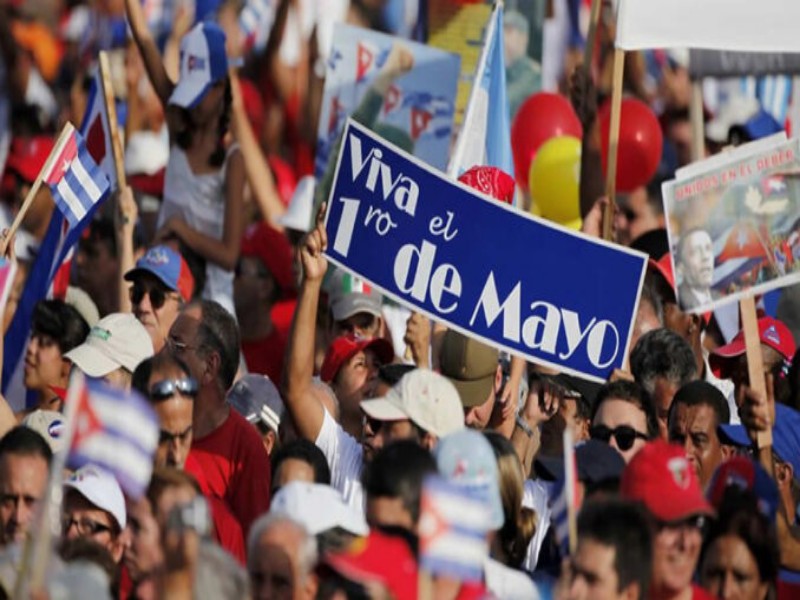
167	388
624	434
158	296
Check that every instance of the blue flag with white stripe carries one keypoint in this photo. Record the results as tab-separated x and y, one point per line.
75	180
113	429
485	137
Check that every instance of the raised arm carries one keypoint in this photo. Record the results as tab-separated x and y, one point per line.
307	412
259	176
149	51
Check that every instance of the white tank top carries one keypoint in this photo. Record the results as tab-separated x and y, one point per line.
200	201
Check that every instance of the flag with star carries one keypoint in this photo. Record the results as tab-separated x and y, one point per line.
75	180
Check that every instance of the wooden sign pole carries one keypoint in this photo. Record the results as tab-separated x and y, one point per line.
755	364
698	125
613	142
591	35
37	184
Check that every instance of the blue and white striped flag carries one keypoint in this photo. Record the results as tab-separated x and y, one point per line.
113	429
75	180
485	137
452	530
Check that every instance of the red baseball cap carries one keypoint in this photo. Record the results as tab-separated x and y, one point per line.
660	477
772	333
381	558
345	346
28	155
491	181
663	266
266	243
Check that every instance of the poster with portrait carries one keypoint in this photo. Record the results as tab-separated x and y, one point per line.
461	28
734	224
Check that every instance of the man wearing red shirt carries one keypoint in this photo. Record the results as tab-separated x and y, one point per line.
227	455
263	277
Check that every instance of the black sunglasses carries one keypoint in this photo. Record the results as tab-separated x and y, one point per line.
157	295
167	388
374	424
624	434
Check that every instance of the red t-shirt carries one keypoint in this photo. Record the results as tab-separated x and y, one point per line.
699	593
265	356
227	531
231	464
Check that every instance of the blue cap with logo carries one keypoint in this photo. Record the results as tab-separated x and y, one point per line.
168	267
785	436
203	63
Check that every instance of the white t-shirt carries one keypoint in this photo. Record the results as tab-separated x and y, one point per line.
345	458
200	201
535	495
507	583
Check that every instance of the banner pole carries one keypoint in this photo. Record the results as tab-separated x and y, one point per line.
569	482
698	125
26	205
755	364
613	142
591	35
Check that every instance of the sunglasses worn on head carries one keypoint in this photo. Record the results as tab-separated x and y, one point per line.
167	388
624	434
157	295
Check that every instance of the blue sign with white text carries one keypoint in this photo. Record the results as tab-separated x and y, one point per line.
479	266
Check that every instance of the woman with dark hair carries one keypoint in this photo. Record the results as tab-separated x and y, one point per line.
511	543
56	328
204	180
740	557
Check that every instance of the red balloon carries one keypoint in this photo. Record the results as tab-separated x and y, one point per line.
541	117
640	143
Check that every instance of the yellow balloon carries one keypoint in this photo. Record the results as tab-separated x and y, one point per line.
554	179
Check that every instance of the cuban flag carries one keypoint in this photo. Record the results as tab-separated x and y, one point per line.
66	168
75	180
452	530
255	22
485	137
96	131
563	498
393	99
113	429
368	59
429	115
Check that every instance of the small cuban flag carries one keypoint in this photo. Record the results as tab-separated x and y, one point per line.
112	428
75	180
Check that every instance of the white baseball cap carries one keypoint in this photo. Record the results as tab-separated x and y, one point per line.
101	489
318	507
426	398
203	63
50	425
118	340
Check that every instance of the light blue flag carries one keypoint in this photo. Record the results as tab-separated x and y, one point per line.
485	137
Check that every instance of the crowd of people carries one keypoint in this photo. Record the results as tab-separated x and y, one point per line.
303	417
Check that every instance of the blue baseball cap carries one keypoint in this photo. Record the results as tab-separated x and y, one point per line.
168	267
466	458
204	62
746	475
597	462
785	436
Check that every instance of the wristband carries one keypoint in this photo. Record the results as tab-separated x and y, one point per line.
523	424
